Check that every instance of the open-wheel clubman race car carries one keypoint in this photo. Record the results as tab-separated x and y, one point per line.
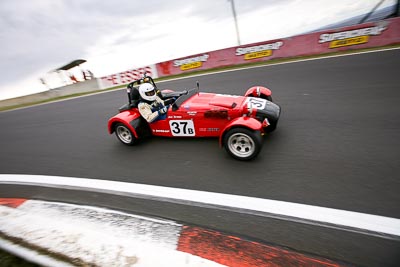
238	121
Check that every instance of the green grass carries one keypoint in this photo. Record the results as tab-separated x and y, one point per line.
263	63
9	260
51	100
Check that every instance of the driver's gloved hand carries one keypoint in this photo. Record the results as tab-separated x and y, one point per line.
163	110
156	104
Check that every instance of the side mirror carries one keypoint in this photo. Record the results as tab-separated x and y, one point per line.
128	91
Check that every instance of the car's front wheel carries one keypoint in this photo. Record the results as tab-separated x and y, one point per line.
242	143
124	134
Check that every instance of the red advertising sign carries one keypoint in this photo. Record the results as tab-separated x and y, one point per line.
360	36
365	35
126	77
225	57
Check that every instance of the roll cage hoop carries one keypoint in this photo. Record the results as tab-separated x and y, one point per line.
144	79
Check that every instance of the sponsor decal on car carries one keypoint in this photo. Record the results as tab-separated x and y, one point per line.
174	117
191	63
213	129
209	129
351	37
160	131
192	113
258	51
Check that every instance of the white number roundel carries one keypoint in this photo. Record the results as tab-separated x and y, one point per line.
182	127
257	103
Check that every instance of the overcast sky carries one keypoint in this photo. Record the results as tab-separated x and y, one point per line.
37	36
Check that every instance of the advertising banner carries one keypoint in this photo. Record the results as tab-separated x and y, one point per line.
365	35
373	34
225	57
126	77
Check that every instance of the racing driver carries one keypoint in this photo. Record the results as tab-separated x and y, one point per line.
151	107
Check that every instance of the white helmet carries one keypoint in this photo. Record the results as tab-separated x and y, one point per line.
147	92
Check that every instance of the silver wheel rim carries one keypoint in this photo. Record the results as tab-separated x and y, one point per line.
124	134
241	145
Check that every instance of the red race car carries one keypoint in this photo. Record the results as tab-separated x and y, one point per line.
238	121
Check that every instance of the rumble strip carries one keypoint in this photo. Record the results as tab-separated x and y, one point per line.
91	236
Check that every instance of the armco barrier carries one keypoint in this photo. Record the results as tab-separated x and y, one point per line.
367	35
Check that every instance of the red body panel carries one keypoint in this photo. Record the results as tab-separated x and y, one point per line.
124	117
258	91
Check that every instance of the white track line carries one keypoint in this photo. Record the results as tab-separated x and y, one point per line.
346	220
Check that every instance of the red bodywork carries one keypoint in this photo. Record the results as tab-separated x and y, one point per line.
124	117
201	115
258	91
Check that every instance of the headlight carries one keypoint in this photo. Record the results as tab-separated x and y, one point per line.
258	91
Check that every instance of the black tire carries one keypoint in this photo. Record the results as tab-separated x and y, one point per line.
271	127
124	134
242	144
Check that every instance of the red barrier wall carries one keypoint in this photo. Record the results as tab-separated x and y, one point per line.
366	35
126	77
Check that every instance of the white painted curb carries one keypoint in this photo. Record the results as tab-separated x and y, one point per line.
346	220
96	236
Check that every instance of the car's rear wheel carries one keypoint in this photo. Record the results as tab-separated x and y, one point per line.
124	134
242	143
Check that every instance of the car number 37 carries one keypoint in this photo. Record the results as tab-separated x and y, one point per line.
257	103
182	127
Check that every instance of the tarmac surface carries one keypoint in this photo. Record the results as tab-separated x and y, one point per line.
336	145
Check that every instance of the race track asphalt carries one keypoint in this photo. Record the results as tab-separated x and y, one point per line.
336	145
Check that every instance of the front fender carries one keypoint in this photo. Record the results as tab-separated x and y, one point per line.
125	117
245	122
